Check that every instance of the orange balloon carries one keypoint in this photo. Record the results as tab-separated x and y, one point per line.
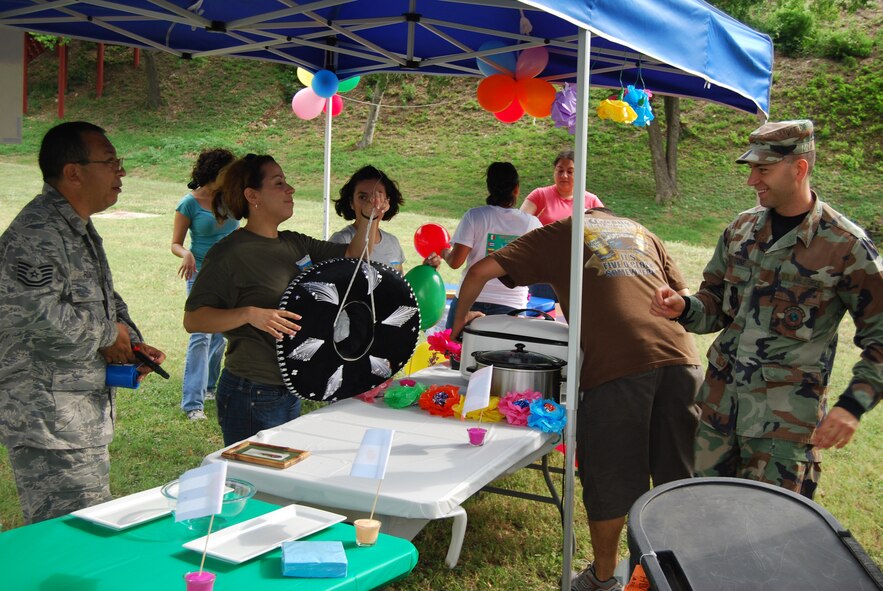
536	96
510	114
496	92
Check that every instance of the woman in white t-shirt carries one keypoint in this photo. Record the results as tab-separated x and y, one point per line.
489	228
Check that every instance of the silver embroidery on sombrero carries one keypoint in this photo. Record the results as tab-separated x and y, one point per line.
306	350
380	367
323	292
372	275
334	383
400	316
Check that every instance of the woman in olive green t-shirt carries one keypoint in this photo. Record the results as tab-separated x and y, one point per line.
238	289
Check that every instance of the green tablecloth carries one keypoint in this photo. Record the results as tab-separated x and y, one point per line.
69	554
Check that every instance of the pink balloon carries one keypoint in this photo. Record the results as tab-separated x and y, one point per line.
531	62
336	105
510	114
306	104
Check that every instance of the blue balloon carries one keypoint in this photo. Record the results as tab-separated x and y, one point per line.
325	83
504	60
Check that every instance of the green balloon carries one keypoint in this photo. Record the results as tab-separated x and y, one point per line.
429	289
348	84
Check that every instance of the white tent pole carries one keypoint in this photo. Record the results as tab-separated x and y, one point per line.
326	181
576	291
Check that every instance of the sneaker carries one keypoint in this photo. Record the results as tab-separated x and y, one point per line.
586	580
196	415
209	395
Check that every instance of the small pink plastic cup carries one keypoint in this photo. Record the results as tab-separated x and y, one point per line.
200	581
476	435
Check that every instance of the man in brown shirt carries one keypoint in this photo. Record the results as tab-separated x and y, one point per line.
636	416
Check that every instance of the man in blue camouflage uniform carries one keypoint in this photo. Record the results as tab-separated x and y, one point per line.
781	279
61	323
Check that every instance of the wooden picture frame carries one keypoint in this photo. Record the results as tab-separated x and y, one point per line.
274	456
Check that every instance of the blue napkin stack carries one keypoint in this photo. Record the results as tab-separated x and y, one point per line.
313	559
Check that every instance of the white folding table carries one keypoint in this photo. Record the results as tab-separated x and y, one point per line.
432	467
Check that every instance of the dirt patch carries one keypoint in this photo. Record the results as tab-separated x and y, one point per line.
124	215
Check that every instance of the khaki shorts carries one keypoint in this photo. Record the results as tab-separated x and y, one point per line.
788	464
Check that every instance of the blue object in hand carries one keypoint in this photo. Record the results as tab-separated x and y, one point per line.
122	376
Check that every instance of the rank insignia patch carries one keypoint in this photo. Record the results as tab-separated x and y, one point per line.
33	275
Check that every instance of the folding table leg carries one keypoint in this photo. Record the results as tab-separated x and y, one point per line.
458	532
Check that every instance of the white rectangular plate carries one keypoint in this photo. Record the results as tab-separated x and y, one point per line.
258	535
127	511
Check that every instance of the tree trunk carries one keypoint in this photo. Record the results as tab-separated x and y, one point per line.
154	98
371	123
664	154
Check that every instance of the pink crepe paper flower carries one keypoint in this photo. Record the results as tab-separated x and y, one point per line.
372	394
441	342
515	406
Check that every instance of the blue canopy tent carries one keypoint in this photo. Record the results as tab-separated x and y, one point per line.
683	48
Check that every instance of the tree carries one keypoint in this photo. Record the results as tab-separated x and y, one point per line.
375	86
154	97
664	154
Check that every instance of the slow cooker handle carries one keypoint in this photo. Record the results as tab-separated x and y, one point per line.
520	310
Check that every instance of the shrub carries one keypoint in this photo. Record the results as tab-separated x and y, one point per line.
793	28
845	43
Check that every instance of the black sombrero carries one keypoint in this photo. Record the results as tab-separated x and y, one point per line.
359	326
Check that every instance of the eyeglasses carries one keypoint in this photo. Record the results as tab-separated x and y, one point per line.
115	163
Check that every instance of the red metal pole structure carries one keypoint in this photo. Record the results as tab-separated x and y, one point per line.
62	78
24	86
137	58
100	82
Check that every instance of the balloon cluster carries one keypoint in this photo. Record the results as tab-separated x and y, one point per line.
511	88
308	102
631	106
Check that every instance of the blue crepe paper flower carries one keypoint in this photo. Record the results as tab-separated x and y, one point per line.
546	415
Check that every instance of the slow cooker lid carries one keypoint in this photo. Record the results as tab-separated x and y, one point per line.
518	358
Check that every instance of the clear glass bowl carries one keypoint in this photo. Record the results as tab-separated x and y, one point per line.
236	495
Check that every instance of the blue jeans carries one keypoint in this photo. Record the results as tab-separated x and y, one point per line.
483	307
202	366
244	407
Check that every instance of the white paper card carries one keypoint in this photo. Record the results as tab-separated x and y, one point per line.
478	391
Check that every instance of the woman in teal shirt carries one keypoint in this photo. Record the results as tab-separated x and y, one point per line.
194	214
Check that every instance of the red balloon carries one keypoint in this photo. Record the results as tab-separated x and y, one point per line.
510	114
431	238
336	105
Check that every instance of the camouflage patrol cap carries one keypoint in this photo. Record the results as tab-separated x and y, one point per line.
771	142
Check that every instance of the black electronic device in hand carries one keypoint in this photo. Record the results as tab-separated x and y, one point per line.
149	362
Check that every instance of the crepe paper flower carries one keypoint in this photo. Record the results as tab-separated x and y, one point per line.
616	110
564	108
515	406
441	342
488	414
546	415
639	100
372	394
404	394
440	400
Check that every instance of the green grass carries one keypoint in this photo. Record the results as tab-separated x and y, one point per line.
510	543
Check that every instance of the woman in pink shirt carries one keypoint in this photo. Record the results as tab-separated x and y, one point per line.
555	202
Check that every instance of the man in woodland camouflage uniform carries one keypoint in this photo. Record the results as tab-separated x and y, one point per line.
61	323
780	280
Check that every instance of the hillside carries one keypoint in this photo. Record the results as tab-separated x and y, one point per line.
436	141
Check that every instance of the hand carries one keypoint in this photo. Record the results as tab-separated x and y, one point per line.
276	322
121	350
155	354
188	267
433	261
456	331
667	303
836	429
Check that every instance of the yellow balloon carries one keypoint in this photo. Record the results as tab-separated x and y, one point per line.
305	77
422	358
